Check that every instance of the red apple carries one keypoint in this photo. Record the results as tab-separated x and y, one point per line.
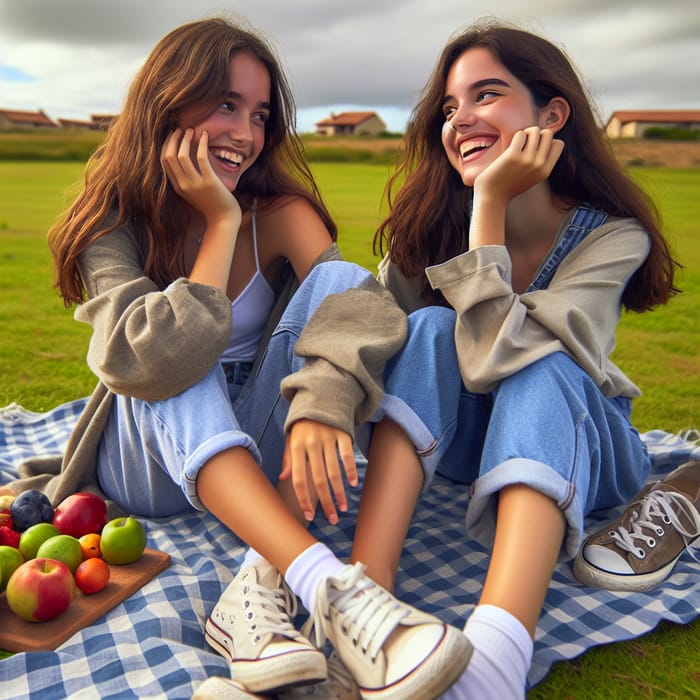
80	514
40	589
122	541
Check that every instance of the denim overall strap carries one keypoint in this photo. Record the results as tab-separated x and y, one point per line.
583	221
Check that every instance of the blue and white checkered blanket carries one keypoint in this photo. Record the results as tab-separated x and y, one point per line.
152	644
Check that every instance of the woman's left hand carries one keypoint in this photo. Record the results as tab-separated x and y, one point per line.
311	459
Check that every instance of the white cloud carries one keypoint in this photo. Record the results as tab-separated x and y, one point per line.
81	54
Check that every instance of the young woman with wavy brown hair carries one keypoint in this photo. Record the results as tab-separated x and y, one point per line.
198	251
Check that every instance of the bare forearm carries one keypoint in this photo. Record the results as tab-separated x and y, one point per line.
488	223
213	263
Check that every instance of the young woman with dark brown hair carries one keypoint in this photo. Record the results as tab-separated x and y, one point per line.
514	240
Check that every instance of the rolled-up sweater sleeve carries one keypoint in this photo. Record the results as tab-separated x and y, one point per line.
499	331
147	343
346	346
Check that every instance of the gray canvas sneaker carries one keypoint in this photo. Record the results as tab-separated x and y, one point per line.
340	685
251	627
391	649
220	688
637	551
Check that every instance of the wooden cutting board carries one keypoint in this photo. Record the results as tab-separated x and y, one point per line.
17	634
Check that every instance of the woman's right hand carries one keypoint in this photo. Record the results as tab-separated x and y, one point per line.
195	180
311	460
198	184
528	160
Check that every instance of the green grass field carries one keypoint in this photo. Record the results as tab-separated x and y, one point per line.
42	363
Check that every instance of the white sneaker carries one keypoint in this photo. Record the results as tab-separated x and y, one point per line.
340	685
393	651
251	627
220	688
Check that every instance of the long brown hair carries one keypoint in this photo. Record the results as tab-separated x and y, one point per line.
427	223
188	68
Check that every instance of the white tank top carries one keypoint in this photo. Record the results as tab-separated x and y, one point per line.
250	311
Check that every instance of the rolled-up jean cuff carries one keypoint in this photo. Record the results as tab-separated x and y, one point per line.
208	449
425	443
481	512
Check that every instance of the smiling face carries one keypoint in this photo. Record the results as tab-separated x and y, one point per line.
236	128
484	105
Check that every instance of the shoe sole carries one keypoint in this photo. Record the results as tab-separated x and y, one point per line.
275	673
637	583
434	676
218	688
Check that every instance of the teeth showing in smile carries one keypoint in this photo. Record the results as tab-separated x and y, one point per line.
469	147
227	156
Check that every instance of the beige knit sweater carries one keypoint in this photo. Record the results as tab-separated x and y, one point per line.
152	344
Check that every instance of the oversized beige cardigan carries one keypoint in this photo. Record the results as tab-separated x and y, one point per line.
498	331
152	344
350	337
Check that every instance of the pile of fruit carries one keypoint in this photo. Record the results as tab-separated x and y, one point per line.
46	553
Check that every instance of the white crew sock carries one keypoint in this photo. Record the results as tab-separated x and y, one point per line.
251	558
309	569
501	659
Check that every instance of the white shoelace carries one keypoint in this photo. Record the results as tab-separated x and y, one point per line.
275	609
663	505
369	614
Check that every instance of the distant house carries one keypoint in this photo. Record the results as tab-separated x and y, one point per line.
351	123
102	121
14	119
632	124
76	124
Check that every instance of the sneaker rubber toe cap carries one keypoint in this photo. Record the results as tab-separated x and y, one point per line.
606	559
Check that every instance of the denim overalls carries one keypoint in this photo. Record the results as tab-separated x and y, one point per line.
151	452
547	426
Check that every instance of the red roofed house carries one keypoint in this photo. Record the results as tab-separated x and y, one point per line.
633	123
13	119
351	123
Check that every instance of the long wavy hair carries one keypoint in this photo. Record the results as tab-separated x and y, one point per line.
187	70
427	223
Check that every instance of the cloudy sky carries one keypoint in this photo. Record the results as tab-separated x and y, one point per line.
74	58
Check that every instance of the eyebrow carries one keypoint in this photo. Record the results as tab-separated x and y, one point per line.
237	96
480	84
488	81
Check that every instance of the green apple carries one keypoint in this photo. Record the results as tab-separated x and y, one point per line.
33	537
10	559
65	548
122	540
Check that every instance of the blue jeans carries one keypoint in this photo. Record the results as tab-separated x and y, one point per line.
547	426
151	451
